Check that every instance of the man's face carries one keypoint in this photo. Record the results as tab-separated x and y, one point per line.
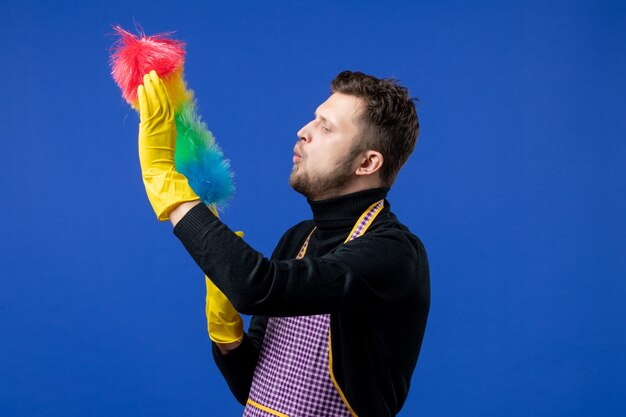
324	160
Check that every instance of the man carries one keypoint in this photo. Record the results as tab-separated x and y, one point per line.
339	310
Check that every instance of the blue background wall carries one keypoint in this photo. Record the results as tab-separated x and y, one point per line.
517	188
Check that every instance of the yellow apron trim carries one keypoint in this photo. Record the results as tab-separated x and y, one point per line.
266	409
330	347
356	225
305	245
332	377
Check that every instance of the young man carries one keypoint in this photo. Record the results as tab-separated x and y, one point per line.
340	308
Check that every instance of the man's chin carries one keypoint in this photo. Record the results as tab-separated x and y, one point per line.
298	184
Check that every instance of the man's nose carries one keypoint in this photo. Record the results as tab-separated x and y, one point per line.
304	133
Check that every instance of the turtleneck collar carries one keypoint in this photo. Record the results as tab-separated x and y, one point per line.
337	211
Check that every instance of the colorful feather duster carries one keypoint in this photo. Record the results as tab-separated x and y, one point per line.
198	157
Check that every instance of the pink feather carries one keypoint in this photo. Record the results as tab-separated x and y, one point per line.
133	56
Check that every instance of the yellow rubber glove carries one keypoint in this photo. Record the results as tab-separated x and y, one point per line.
165	187
224	323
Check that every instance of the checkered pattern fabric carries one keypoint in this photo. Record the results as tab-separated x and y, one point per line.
292	377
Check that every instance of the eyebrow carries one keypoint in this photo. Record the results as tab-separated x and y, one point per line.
323	118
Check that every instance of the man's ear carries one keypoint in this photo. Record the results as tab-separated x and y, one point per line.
371	162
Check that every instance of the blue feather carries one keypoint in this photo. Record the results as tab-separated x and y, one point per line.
199	158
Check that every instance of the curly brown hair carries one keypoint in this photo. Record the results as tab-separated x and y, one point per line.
389	119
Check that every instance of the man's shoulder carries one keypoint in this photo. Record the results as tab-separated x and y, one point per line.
388	225
387	220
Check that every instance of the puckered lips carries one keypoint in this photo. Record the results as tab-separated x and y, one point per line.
297	154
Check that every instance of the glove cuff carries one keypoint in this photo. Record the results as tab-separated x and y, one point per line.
227	332
166	190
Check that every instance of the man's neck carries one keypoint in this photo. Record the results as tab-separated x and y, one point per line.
351	188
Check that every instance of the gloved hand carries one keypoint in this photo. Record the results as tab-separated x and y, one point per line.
165	187
224	323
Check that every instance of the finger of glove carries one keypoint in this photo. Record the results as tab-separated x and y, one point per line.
155	105
161	94
144	105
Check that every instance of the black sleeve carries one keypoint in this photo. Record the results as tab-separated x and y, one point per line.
237	366
356	274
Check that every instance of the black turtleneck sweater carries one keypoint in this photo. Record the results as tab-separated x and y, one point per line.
376	289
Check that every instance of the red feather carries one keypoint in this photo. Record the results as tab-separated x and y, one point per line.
133	56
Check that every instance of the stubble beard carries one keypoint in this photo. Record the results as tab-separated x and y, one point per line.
322	186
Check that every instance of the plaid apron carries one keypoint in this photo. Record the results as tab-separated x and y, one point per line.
293	377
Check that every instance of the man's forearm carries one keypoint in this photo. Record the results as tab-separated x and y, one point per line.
180	211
